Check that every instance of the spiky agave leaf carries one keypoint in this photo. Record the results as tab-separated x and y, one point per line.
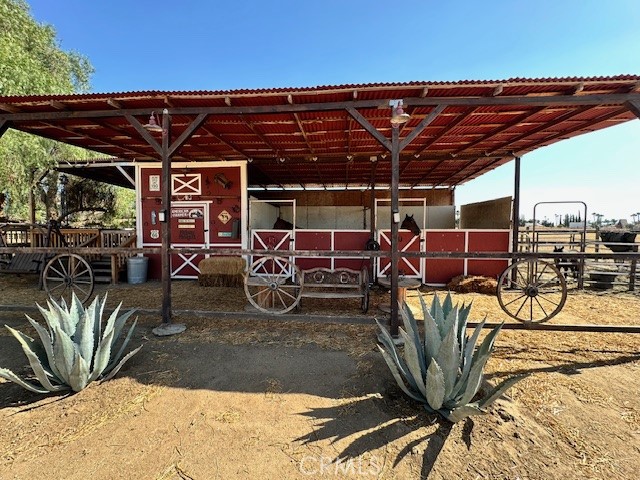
397	359
12	377
117	368
455	365
411	357
435	386
411	327
399	378
67	354
449	360
37	361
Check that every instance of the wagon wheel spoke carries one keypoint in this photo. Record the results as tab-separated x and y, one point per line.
524	280
523	304
58	272
513	284
273	292
259	292
544	269
514	300
284	304
553	281
60	284
541	308
544	297
84	292
281	290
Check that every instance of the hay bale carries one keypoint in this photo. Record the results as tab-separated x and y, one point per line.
221	272
473	283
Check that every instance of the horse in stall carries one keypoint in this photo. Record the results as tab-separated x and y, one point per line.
282	224
410	224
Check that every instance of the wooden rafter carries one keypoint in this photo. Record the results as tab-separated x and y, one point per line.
427	173
521	118
457	172
384	141
426	121
561	100
475	172
562	118
446	130
582	126
633	106
258	134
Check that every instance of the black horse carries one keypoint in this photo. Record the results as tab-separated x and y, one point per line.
410	224
282	224
566	265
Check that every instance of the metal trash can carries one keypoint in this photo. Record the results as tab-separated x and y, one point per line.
137	269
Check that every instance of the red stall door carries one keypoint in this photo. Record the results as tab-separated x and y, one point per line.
187	230
407	242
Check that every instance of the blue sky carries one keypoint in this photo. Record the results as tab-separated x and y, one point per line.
210	45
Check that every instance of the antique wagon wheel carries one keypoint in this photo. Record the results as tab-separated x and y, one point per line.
364	285
532	291
273	285
67	273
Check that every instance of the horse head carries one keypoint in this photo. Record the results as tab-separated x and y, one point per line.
410	224
282	224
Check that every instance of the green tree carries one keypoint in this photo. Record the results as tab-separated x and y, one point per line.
31	63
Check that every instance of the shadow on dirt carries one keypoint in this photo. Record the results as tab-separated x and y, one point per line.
368	420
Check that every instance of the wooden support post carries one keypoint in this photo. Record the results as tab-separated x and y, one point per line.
515	219
395	213
516	206
166	226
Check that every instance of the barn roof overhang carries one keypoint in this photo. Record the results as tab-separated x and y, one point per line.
334	136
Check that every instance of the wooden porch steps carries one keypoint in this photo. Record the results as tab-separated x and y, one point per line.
102	270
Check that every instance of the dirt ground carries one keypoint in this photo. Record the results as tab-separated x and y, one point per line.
278	399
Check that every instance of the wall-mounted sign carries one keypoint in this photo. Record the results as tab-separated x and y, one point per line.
186	212
154	183
224	217
155	234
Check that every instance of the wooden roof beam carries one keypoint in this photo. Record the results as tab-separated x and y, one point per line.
446	130
384	141
502	128
4	126
232	146
260	136
427	173
93	139
9	108
304	133
186	134
426	121
58	105
598	99
595	121
562	118
633	106
475	172
114	103
144	133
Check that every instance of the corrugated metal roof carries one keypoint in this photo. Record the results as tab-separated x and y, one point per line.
463	142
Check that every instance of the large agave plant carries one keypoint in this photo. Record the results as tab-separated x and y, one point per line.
75	349
443	370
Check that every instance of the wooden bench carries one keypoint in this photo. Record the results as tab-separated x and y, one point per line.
339	283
